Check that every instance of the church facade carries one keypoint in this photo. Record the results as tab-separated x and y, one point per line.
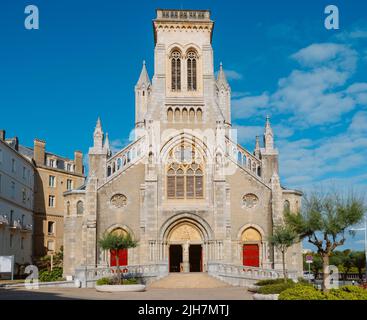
184	188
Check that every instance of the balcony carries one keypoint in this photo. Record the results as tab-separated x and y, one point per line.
27	228
3	220
15	225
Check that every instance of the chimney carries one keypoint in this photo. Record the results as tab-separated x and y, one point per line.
2	135
78	162
39	152
16	143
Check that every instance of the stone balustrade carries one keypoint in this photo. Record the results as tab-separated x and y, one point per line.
243	158
89	275
125	158
243	275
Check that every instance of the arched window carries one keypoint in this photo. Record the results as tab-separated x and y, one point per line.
108	171
176	70
79	207
199	188
68	208
190	184
171	184
180	184
191	71
185	178
119	164
239	158
286	206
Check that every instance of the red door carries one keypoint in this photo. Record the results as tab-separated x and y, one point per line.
122	256
251	256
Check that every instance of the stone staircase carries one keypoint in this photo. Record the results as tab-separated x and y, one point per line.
188	280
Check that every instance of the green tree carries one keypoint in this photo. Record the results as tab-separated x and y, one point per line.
316	265
44	263
282	238
324	221
116	242
347	263
359	261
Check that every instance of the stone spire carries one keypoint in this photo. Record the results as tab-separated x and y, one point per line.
106	145
98	135
144	78
257	147
268	135
222	79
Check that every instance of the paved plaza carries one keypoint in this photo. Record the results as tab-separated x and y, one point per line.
228	293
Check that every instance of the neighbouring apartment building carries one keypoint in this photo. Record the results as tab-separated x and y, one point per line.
53	176
16	202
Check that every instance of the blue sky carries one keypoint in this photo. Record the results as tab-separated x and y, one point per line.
280	60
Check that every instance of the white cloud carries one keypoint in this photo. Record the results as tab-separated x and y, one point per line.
231	74
359	92
313	95
359	123
247	134
305	162
117	144
332	54
246	107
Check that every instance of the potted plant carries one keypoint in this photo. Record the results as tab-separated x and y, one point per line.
114	243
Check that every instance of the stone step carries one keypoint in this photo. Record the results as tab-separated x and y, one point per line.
188	280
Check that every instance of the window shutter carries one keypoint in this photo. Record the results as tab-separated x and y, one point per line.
190	186
180	187
199	192
171	192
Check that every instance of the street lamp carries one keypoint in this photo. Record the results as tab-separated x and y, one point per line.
365	241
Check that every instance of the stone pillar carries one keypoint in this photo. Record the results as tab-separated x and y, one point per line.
185	257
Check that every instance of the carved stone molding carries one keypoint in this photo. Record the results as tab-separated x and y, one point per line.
118	200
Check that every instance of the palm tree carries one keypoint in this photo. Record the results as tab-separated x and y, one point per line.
114	243
283	237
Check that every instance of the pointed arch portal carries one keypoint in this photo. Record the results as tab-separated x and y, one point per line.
186	241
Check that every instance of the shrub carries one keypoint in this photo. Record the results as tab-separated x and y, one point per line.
103	281
303	281
301	292
131	281
49	276
347	293
275	288
272	281
110	281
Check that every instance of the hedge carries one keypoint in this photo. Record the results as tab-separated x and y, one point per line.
272	281
347	293
49	276
275	288
302	292
110	281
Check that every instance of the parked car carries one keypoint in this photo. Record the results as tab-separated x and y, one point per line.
308	275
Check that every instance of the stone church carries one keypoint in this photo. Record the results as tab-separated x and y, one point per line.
184	188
